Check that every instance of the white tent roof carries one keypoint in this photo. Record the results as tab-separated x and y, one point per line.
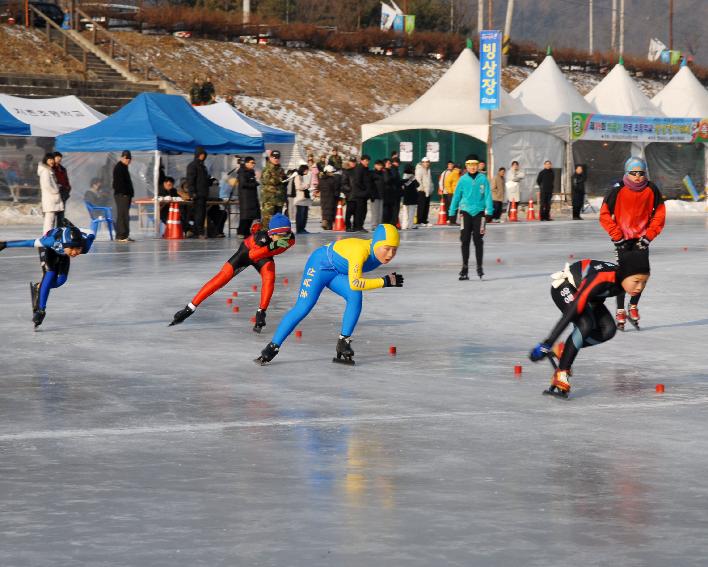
684	96
547	93
619	95
51	117
223	114
452	104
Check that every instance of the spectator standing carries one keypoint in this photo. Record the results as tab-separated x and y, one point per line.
272	188
195	93
62	177
329	192
335	160
123	194
52	204
97	195
320	165
361	192
391	194
410	198
578	191
397	183
544	180
473	197
314	171
425	188
450	184
346	188
208	92
198	182
303	198
378	188
166	190
498	186
513	184
249	208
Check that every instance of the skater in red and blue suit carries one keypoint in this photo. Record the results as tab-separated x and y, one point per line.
340	266
633	214
258	250
579	292
56	249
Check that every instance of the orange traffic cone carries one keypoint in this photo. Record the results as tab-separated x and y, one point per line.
531	214
174	224
339	225
513	213
442	214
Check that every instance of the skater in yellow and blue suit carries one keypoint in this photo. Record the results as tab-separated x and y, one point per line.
339	266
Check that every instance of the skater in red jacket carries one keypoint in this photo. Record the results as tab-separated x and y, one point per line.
579	292
258	251
633	214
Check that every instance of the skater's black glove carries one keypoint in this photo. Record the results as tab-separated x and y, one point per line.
643	243
539	352
3	245
393	280
621	245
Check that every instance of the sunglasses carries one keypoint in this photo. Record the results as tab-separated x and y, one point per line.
637	173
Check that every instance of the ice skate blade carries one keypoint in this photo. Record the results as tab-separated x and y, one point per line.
620	326
464	278
257	330
174	323
348	362
635	324
556	393
260	362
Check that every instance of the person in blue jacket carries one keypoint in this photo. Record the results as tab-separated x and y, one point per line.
340	266
473	197
56	249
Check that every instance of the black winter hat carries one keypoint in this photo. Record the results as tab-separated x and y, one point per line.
632	262
199	150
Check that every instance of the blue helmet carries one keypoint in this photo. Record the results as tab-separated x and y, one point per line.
279	224
71	237
635	164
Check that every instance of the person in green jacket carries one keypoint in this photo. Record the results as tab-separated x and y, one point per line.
473	198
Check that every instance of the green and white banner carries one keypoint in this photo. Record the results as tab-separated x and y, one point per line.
609	128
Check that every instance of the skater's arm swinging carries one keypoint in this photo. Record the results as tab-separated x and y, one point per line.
359	283
273	248
656	224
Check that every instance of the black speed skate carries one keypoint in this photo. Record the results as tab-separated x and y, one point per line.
38	317
267	354
34	292
560	387
181	315
633	317
463	273
260	321
480	272
345	353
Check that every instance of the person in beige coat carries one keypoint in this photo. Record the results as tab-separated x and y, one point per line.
498	186
52	204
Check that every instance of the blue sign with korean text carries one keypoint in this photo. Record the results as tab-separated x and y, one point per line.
490	69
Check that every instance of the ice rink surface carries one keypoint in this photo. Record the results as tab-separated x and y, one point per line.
127	443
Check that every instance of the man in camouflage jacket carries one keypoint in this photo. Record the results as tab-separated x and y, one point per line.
272	189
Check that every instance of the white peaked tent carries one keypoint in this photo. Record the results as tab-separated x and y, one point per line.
547	93
452	104
618	94
45	117
684	96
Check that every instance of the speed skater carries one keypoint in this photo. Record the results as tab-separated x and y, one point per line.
339	266
56	249
257	250
633	214
579	291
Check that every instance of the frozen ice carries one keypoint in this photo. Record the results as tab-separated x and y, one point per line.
125	442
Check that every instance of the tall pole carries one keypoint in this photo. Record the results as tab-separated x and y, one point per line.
246	11
671	25
506	39
621	39
613	37
590	27
490	14
452	16
480	15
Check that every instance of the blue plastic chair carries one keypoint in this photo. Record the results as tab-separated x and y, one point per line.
99	215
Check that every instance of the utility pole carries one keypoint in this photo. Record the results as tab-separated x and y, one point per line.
490	14
671	25
613	39
452	16
590	46
506	39
246	11
621	27
480	15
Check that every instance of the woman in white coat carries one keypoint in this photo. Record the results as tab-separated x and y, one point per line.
513	184
303	198
52	204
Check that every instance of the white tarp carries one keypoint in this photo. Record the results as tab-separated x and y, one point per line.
684	96
223	114
619	95
50	117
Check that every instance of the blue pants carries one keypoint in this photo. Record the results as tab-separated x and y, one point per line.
319	274
56	272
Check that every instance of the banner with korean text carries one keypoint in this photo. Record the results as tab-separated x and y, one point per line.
490	69
609	128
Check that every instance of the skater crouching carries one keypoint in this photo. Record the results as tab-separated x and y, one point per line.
473	197
339	266
633	214
580	292
56	248
258	250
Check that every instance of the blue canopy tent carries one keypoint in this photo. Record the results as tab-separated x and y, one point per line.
11	126
155	122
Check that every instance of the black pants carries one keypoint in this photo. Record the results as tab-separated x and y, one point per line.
216	219
349	214
423	208
360	206
389	213
578	202
301	218
200	207
545	204
594	326
328	202
122	219
244	227
472	228
448	201
496	215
